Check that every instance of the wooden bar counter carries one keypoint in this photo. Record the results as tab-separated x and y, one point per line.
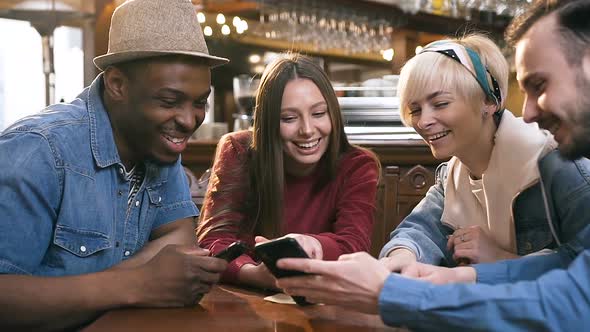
229	308
408	172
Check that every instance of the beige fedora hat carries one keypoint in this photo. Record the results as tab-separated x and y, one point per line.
147	28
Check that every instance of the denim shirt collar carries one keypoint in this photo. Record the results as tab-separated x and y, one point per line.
102	140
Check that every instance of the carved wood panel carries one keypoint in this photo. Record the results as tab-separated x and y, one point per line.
401	189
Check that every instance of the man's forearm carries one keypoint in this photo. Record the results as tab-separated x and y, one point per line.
555	301
54	303
144	255
525	268
180	232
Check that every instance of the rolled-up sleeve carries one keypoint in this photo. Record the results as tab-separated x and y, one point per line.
181	206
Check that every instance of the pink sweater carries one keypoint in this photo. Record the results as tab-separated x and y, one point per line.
340	215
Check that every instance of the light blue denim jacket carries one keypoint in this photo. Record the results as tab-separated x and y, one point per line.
566	187
63	193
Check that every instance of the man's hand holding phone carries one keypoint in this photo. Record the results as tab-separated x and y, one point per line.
177	275
228	254
354	281
233	251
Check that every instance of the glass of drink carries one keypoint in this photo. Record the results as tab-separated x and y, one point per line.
244	95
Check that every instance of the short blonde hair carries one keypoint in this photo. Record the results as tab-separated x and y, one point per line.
431	71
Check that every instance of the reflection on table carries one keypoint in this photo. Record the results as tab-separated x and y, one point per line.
229	308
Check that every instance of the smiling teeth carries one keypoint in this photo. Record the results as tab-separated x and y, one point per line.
174	140
308	145
438	136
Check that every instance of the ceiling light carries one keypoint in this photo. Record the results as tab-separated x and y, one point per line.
220	19
201	17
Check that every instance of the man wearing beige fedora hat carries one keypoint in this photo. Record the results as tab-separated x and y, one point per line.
96	211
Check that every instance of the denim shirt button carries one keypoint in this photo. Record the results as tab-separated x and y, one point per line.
82	248
136	203
121	171
159	199
127	253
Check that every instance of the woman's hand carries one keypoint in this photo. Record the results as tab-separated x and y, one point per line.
257	276
473	244
310	244
397	259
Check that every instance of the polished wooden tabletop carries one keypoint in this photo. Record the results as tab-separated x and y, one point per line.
229	308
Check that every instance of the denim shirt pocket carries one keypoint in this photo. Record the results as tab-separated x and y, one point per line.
154	195
82	243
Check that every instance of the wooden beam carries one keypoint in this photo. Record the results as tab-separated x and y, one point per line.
230	7
404	44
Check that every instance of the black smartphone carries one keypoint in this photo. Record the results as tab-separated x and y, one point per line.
233	251
270	252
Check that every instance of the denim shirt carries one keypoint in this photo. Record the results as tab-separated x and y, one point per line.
63	193
566	187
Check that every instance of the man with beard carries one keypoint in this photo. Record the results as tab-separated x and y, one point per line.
95	208
534	293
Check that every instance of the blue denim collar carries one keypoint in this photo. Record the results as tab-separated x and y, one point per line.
102	140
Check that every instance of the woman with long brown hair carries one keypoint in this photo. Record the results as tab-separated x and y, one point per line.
294	174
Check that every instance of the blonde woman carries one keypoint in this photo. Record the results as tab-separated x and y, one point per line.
505	192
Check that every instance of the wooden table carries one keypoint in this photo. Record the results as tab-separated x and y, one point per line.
229	308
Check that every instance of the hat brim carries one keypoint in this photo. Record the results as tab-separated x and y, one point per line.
103	61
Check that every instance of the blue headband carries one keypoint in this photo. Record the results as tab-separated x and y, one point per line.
472	62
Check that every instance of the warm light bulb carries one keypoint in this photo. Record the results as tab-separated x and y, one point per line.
388	54
201	17
225	30
244	25
236	21
207	31
220	19
254	58
258	69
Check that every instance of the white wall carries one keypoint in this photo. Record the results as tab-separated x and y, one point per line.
22	83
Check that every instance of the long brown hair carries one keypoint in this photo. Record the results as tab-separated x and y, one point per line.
266	175
267	156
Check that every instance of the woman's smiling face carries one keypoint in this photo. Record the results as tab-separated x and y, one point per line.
305	126
446	122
